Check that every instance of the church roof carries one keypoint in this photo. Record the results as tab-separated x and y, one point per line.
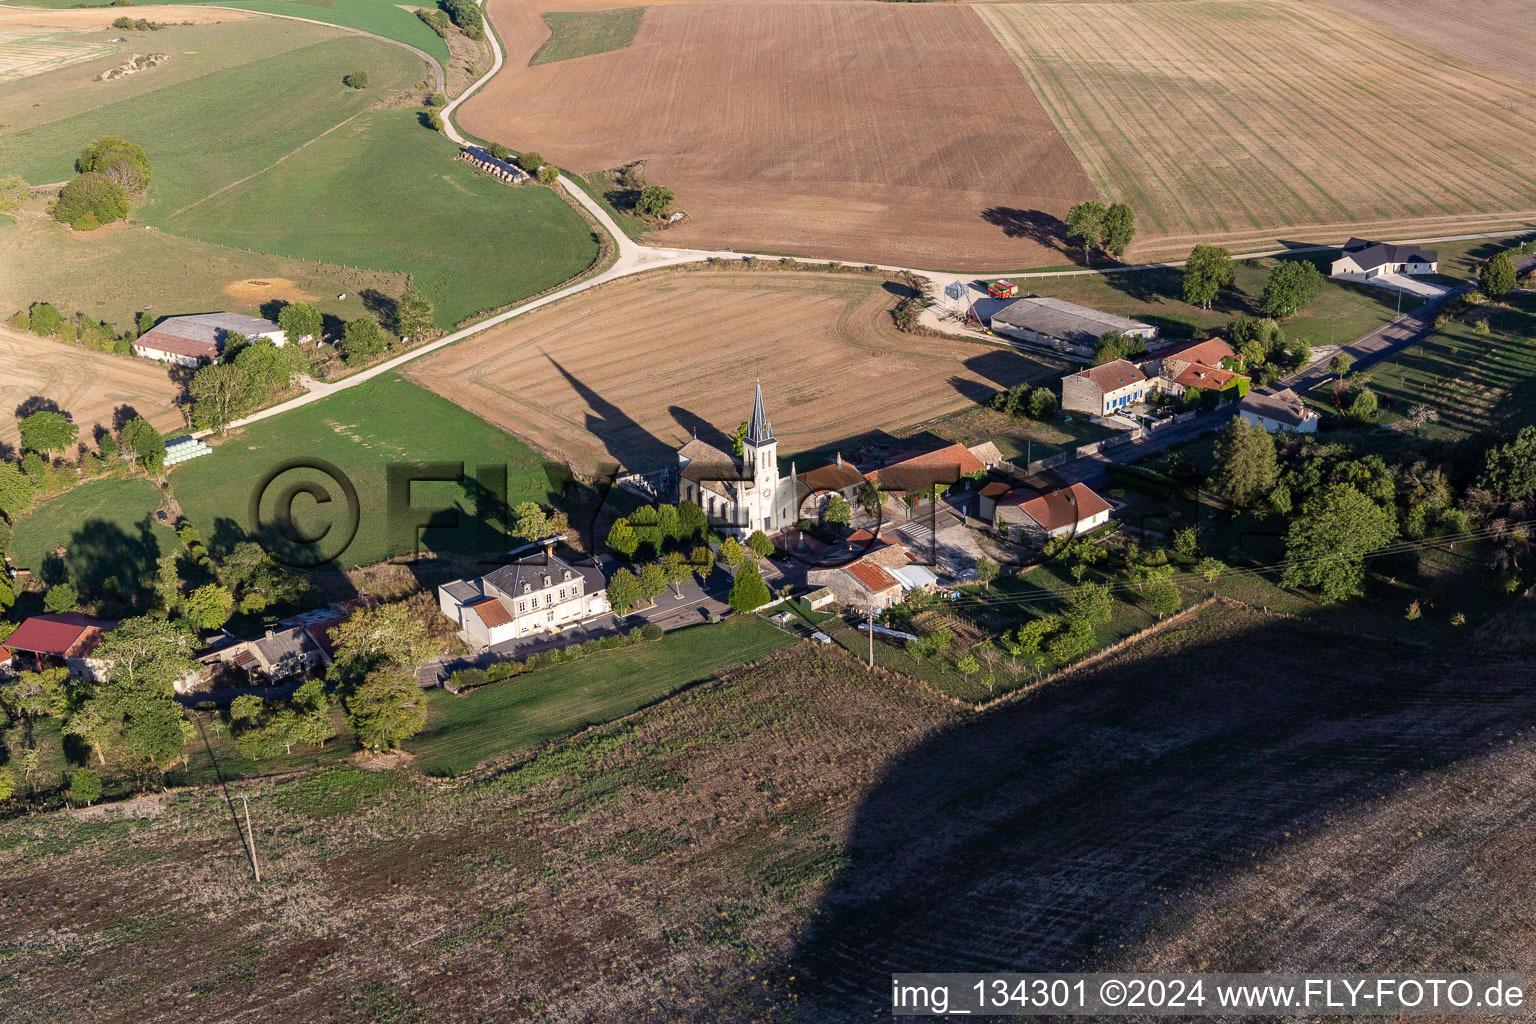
759	430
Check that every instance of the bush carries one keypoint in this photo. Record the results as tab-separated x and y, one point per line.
43	318
654	201
499	151
90	201
437	21
466	14
355	80
530	162
432	119
438	101
548	174
468	678
651	631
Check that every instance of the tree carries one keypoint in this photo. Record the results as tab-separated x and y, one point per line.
1246	465
1509	470
1210	569
838	511
90	201
654	201
731	552
300	321
652	580
530	162
16	492
84	787
986	570
1113	345
1257	338
61	597
311	723
414	316
120	161
1291	288
1208	270
47	432
13	192
622	539
1340	363
1072	642
1085	224
749	592
1497	276
7	783
871	498
209	607
221	394
467	15
148	655
548	174
968	666
141	442
668	524
738	443
1090	603
691	520
386	708
1119	228
43	319
623	591
362	340
1042	404
1363	408
1327	542
378	638
677	571
355	79
760	544
531	522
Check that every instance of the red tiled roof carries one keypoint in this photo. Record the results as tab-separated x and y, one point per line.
1205	378
834	476
1113	375
65	634
996	489
164	341
491	611
915	472
874	578
1210	352
1066	506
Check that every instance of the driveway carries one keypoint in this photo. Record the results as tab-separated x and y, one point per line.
1415	286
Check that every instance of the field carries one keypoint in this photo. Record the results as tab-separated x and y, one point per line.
107	529
33	42
752	844
582	33
268	151
362	431
626	372
869	146
507	718
90	386
1476	382
381	17
1254	121
1501	36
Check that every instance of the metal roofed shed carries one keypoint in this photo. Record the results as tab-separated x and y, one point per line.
1063	326
180	449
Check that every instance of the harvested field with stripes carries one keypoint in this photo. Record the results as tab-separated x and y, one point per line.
1250	122
1501	34
624	373
904	135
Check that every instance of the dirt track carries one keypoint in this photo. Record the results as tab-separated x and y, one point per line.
626	372
86	384
906	135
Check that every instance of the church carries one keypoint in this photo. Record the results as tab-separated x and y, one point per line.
743	494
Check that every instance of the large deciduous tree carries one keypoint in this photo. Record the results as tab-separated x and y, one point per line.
1246	465
300	321
1291	288
1208	270
47	432
386	708
376	638
1497	276
1085	225
749	592
1330	537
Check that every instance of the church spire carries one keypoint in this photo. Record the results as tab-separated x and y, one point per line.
759	431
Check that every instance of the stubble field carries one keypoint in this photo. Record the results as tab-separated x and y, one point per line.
1249	122
904	135
89	385
1498	34
626	372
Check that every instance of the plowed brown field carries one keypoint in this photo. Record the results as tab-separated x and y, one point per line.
88	385
897	133
626	372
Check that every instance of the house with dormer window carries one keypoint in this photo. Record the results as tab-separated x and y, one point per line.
536	595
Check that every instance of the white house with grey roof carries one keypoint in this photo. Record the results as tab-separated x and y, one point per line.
540	594
1363	260
199	338
1063	326
745	494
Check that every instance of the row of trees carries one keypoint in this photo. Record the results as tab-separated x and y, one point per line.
650	530
112	173
1093	225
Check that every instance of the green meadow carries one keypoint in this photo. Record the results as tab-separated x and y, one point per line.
582	33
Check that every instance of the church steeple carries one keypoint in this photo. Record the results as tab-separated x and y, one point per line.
759	431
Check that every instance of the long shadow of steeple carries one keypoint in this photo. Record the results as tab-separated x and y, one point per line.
629	444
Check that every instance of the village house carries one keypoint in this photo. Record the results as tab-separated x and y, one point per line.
1064	326
1027	516
199	338
58	640
275	657
1105	389
880	578
1282	411
540	594
820	484
1204	366
908	474
1363	260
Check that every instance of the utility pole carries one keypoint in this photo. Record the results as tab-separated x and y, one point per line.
871	637
250	837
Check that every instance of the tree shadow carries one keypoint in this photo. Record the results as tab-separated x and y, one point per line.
40	403
122	416
273	308
108	564
382	308
1052	833
1044	229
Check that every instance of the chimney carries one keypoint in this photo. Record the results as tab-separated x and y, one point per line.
839	458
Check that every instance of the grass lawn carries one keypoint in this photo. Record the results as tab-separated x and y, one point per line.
579	33
108	530
1474	381
380	17
385	193
517	713
1341	313
363	431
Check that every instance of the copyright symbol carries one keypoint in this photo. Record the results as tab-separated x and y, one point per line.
323	528
1112	992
